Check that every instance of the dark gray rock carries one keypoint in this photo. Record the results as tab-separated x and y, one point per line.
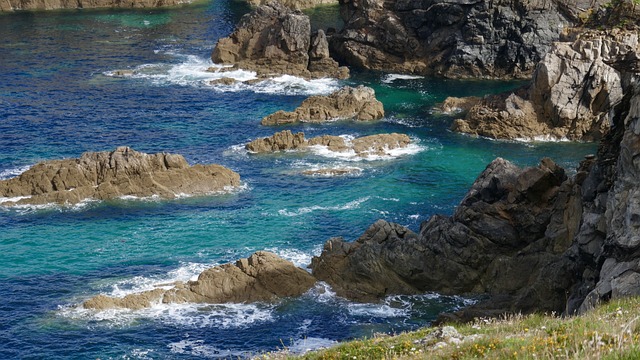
456	39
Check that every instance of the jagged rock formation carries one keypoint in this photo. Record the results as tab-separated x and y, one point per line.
570	97
296	4
456	39
108	175
363	146
533	239
261	277
358	103
15	5
275	40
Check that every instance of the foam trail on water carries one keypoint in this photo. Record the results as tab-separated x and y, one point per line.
389	78
308	209
199	72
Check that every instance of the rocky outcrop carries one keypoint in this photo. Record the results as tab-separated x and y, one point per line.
16	5
108	175
570	97
296	4
455	39
261	277
274	40
376	145
532	239
494	236
357	103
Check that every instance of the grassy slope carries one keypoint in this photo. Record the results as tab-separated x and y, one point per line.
612	331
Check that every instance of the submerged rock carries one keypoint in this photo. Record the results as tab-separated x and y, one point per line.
108	175
275	40
570	97
261	277
365	146
357	103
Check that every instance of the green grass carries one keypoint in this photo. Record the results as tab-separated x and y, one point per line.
611	331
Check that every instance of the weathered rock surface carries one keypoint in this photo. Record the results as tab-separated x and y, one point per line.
379	144
497	231
107	175
533	239
262	277
357	103
14	5
275	40
570	97
456	39
296	4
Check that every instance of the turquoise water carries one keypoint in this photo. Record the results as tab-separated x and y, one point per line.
58	99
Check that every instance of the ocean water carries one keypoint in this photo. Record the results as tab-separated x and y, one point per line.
59	98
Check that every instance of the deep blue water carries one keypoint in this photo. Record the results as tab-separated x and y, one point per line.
57	99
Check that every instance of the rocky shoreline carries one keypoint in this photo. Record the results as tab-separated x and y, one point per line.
113	174
532	239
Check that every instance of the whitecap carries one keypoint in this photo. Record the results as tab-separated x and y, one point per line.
198	348
542	138
13	172
224	316
299	258
376	310
389	78
352	156
351	205
199	72
304	345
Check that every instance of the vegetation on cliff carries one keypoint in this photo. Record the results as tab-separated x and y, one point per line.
610	331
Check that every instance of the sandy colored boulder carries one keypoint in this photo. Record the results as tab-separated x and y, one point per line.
357	103
379	144
571	96
261	277
281	141
296	4
107	175
274	40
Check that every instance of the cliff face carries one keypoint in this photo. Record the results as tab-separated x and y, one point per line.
457	39
13	5
571	95
532	239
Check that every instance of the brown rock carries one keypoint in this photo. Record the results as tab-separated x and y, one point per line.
455	105
274	40
379	144
357	103
284	140
571	96
262	277
296	4
223	81
108	175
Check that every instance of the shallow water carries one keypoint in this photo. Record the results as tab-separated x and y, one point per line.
57	99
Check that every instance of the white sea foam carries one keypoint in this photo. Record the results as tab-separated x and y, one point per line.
298	258
351	155
199	72
351	205
376	310
389	78
307	344
10	173
225	316
198	348
542	138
